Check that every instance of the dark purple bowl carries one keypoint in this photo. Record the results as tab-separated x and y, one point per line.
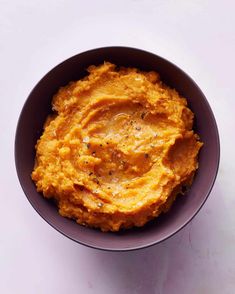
38	106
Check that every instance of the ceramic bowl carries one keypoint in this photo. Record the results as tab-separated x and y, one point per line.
38	106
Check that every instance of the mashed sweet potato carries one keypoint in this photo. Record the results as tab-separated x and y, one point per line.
118	149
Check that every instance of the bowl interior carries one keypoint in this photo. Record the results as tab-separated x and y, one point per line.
38	106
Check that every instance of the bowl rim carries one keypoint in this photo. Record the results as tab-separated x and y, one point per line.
167	236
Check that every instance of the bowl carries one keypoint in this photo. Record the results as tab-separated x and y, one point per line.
38	106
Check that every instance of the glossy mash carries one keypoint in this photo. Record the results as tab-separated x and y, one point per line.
118	149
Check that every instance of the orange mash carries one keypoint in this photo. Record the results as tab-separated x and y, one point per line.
118	149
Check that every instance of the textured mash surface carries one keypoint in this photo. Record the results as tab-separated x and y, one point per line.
118	149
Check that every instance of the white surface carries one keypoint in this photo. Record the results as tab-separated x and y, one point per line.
199	36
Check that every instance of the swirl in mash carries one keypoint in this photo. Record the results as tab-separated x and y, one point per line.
118	149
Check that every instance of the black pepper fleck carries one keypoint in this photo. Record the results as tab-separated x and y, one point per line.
146	155
88	145
142	115
96	181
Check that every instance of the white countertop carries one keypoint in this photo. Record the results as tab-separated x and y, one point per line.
199	36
